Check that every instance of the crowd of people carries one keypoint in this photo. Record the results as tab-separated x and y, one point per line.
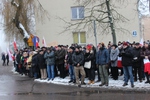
5	59
79	62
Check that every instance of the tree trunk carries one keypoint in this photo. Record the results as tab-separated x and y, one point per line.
111	22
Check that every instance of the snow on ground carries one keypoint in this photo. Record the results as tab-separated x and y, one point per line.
113	84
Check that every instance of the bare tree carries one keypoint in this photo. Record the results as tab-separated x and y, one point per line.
104	12
19	17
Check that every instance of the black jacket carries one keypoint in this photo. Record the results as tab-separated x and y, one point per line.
41	61
69	58
127	56
78	58
137	60
60	56
90	57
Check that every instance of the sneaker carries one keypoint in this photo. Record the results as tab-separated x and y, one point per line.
132	85
48	80
102	84
125	84
70	81
147	82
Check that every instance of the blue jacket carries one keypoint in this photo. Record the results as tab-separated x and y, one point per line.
50	58
102	57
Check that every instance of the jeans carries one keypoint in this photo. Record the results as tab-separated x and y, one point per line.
50	71
71	72
128	74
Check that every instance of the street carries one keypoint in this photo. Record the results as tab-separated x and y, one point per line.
16	87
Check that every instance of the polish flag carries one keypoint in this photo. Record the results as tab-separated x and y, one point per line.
11	57
37	43
15	45
44	42
119	63
141	42
146	65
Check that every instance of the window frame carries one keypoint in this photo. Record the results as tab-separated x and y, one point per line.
79	37
78	13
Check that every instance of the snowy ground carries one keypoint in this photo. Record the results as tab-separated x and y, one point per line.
113	84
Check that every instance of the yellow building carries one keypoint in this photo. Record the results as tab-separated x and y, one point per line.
72	11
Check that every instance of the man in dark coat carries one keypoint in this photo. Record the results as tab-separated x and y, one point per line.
127	57
4	59
7	59
78	62
60	57
41	64
137	62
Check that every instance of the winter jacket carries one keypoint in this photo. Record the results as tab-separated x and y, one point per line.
145	52
35	63
114	57
41	61
90	57
127	56
78	58
69	58
60	56
50	58
137	60
102	56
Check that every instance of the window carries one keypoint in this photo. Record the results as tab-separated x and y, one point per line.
77	12
79	37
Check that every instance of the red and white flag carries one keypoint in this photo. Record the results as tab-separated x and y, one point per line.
146	65
141	42
44	42
37	43
15	45
11	57
119	63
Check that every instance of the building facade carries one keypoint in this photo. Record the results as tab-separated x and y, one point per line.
57	30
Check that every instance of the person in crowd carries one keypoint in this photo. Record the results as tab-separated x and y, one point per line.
29	65
41	65
71	67
90	56
137	62
120	65
3	59
7	59
127	57
78	61
36	70
24	63
114	59
102	60
60	57
18	60
50	61
145	54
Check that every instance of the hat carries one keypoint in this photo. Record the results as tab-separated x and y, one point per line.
71	48
114	45
88	47
125	44
77	47
137	43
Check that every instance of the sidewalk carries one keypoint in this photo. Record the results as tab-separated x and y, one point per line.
113	84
